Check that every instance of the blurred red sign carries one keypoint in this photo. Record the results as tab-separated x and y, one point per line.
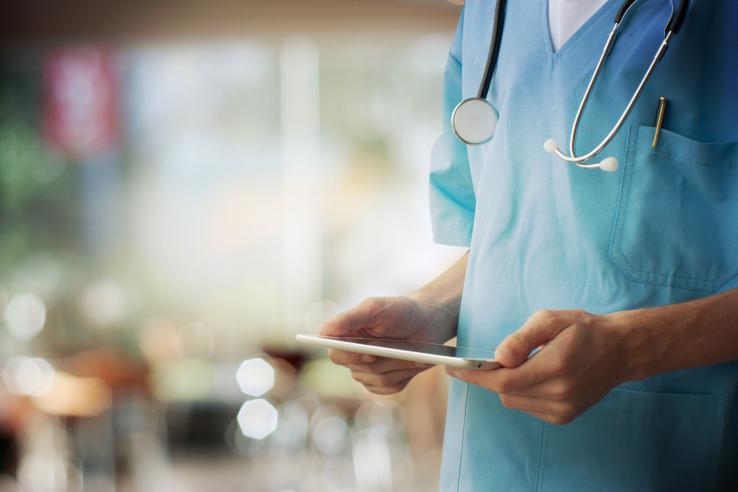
81	101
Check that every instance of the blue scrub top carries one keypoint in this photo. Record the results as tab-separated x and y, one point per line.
545	234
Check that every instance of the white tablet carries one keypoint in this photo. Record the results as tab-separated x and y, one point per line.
427	353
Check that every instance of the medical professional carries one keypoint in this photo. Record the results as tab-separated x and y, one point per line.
627	278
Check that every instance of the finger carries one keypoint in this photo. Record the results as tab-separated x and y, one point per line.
541	408
505	380
372	363
558	389
384	365
527	404
344	358
492	379
554	412
540	328
547	367
388	390
354	321
341	325
546	417
384	380
470	376
382	390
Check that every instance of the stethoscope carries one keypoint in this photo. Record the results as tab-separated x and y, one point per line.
474	119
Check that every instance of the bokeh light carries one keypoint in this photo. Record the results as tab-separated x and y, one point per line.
105	303
28	376
255	377
257	419
25	315
330	434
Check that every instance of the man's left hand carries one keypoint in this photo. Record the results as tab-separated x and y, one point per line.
582	358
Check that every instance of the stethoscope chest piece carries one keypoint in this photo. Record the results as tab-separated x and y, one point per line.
474	121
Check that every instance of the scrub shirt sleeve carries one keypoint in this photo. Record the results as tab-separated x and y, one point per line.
452	198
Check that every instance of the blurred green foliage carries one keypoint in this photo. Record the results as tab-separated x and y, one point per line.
37	196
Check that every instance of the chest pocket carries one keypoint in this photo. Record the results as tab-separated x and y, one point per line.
677	218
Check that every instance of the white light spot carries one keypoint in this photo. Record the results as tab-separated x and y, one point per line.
25	316
330	435
255	377
105	303
257	419
28	376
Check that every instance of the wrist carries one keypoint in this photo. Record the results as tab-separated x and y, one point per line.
442	313
637	346
658	339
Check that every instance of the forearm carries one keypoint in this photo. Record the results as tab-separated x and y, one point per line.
680	336
445	290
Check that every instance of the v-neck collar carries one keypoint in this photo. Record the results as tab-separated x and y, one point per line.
574	38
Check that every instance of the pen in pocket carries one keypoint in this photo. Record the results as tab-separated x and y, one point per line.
659	121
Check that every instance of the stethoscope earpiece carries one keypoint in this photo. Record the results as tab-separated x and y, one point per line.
608	164
550	146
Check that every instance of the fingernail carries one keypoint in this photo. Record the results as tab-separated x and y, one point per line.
368	358
504	356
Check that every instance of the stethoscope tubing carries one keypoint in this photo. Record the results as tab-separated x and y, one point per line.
676	20
493	53
572	157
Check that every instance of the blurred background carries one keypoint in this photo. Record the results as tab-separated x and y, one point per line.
184	186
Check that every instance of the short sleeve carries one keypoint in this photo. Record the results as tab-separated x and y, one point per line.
452	198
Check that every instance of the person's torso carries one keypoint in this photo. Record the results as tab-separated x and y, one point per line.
662	229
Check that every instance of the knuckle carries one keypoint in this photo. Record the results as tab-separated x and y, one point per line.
506	401
557	420
565	419
502	386
561	417
545	315
563	391
372	304
517	342
565	414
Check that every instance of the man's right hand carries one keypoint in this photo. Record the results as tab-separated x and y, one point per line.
400	318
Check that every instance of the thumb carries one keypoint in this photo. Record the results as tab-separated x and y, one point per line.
347	324
540	329
338	326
